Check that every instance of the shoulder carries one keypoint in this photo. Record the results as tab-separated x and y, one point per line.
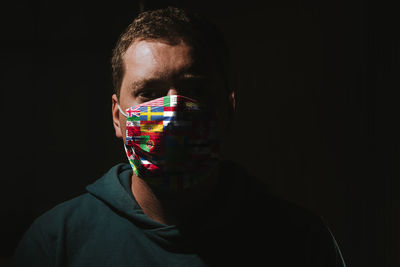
82	209
283	227
67	211
258	199
280	213
41	241
62	219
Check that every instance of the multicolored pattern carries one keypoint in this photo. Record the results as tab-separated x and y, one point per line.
171	141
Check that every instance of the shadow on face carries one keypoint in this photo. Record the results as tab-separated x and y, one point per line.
156	68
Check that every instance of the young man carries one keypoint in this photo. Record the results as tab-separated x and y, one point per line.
177	203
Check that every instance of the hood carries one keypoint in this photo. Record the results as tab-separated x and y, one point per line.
114	190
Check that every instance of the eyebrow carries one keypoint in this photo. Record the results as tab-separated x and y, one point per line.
152	81
144	83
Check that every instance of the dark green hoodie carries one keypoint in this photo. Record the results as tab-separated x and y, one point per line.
106	227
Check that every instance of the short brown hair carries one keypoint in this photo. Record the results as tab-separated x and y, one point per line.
171	24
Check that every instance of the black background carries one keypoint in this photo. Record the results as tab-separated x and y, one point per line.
317	113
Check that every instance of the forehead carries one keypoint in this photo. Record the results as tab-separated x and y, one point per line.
146	58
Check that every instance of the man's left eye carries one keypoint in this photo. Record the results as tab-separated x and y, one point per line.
193	92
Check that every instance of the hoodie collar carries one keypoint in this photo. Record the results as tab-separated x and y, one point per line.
114	190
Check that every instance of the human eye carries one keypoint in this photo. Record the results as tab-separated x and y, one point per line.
194	90
145	95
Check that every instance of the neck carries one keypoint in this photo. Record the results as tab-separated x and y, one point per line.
172	208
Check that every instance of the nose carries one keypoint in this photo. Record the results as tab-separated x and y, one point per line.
172	91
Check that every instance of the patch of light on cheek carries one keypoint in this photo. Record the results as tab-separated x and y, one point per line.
123	127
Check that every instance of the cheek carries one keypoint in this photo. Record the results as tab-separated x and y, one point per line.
122	121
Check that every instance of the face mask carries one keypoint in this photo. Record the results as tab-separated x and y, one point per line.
172	142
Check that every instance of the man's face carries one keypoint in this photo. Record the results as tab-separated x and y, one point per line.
154	68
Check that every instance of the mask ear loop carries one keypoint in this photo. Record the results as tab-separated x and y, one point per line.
122	112
125	146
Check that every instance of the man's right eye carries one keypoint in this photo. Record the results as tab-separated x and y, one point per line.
146	95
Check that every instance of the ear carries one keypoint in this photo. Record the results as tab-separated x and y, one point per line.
116	116
230	111
232	100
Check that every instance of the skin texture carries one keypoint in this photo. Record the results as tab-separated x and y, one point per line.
156	68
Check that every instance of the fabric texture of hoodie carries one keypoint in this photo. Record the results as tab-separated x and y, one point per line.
107	227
